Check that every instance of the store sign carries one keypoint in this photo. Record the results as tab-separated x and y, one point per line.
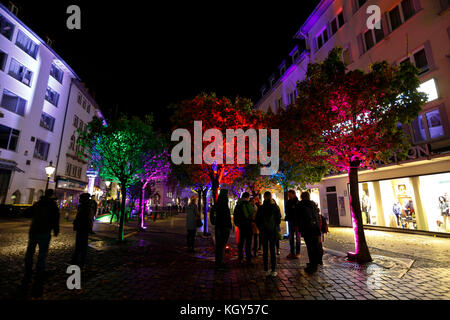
419	152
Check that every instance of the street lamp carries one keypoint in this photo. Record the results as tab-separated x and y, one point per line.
49	170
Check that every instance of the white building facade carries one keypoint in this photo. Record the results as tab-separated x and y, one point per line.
414	194
39	100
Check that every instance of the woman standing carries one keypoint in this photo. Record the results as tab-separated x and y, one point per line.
192	216
82	224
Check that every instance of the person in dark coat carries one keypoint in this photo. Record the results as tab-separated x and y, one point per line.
115	209
292	216
309	225
82	224
192	215
94	208
243	217
223	227
45	219
268	218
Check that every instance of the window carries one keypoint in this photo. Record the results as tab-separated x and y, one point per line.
428	126
13	103
279	103
322	38
79	173
6	27
8	138
3	58
75	121
56	73
72	143
79	99
74	171
20	72
291	97
368	39
52	96
372	37
84	104
401	13
420	60
26	44
47	121
337	23
429	87
88	108
68	169
41	150
81	125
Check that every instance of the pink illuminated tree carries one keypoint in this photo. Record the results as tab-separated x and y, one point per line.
356	118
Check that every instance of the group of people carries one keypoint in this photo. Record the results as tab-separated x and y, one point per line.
45	220
261	223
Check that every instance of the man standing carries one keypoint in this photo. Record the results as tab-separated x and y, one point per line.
243	216
310	229
45	219
221	218
268	218
83	226
292	217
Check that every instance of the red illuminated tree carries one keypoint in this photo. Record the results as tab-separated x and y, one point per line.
355	117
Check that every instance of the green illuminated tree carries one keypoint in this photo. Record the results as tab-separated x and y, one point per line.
118	151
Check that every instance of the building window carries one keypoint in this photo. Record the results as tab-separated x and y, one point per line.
6	27
68	169
52	96
79	173
322	38
20	72
429	87
47	121
84	104
88	108
26	44
419	59
368	40
74	171
56	73
41	150
279	104
3	58
8	138
72	143
337	23
81	125
13	103
75	121
372	37
428	126
79	99
401	13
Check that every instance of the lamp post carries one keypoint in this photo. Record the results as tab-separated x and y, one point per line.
49	170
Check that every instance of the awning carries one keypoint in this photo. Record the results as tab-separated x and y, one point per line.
10	165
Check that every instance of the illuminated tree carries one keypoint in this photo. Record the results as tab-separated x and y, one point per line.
118	151
355	117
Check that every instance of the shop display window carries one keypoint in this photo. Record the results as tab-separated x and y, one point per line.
435	195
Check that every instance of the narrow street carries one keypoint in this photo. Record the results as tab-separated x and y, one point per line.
156	266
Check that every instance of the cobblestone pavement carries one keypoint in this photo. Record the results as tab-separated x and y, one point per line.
155	265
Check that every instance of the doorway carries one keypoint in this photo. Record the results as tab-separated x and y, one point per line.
333	211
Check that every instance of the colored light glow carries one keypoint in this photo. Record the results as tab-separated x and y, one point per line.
103	219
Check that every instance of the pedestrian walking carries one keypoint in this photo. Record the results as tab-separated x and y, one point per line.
115	208
45	219
268	218
243	217
309	225
192	219
94	208
256	235
292	218
221	218
83	226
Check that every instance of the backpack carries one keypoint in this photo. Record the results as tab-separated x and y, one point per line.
213	215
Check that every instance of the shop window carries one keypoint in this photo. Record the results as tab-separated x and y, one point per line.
435	196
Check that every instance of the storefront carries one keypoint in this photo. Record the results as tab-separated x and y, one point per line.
68	191
414	195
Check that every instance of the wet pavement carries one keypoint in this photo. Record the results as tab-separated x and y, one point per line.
155	265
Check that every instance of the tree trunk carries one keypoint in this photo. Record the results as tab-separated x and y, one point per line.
141	207
122	213
205	212
361	254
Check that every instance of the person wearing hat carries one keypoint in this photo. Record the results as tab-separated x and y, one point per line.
82	224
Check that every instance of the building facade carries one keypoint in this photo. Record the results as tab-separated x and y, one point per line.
414	194
40	99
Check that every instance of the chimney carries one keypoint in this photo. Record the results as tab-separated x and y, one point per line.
13	8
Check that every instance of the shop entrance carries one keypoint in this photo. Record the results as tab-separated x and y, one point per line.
333	211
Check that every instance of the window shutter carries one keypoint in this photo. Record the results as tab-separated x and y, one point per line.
429	54
360	44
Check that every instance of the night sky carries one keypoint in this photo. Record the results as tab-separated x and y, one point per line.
142	58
